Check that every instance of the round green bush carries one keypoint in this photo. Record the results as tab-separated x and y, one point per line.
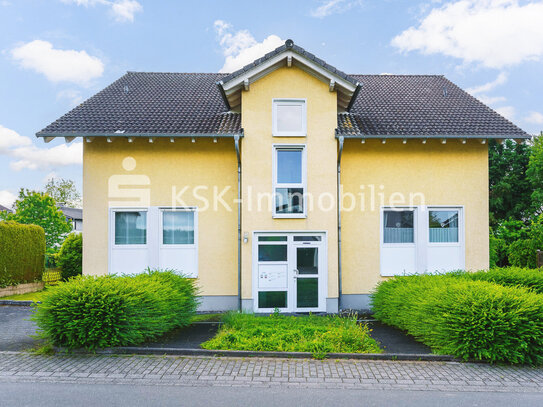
98	312
468	319
70	256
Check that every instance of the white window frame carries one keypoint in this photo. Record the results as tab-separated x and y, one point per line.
154	241
303	184
161	226
113	212
415	211
292	102
421	233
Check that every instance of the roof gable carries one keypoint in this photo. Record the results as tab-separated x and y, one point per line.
288	55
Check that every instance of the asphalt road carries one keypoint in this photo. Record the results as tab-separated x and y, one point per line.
82	395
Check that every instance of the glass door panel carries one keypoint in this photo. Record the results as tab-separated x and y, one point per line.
307	281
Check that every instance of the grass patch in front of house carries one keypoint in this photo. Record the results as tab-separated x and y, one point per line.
319	335
36	296
207	318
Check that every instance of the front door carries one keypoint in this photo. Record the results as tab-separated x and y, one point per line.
289	272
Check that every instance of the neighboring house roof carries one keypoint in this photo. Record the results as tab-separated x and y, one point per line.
5	209
72	213
191	104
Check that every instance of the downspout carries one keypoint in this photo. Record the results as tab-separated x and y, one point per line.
238	155
341	139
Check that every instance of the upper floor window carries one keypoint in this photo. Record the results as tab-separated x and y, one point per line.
289	181
289	118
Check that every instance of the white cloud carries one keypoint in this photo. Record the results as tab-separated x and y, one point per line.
121	10
27	155
493	33
11	139
329	7
51	175
58	65
240	48
34	158
73	96
491	100
500	80
534	117
7	198
124	10
506	111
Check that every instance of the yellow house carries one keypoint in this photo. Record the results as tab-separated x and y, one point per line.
287	184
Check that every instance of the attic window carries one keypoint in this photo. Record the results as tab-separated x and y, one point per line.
289	118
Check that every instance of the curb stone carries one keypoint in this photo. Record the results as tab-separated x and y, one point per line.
19	303
129	350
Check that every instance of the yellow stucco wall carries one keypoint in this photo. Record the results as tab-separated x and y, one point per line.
450	174
256	113
167	165
447	174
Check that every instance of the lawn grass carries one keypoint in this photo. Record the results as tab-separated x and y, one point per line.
207	318
319	335
37	296
51	276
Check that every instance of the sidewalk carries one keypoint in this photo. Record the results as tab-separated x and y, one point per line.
262	372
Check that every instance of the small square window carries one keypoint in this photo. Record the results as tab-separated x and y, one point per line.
130	227
289	118
398	226
443	226
177	227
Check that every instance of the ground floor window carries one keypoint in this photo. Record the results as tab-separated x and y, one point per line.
421	239
155	237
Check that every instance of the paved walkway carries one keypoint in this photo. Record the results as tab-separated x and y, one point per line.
16	329
262	372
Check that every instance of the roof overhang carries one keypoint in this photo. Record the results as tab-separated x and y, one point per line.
346	90
89	136
517	137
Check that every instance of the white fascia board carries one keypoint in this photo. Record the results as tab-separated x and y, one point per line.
255	72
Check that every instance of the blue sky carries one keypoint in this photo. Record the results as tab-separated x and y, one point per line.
56	53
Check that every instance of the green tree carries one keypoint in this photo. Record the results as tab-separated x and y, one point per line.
535	174
63	191
510	189
70	256
38	208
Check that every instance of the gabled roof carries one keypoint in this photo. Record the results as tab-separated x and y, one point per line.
5	209
408	106
72	213
288	55
150	104
153	104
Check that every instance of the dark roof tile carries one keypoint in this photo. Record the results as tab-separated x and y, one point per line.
191	103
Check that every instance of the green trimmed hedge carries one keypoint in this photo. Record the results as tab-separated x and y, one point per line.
98	312
468	319
22	253
510	276
70	256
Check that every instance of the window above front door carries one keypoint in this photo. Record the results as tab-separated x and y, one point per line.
289	181
289	118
